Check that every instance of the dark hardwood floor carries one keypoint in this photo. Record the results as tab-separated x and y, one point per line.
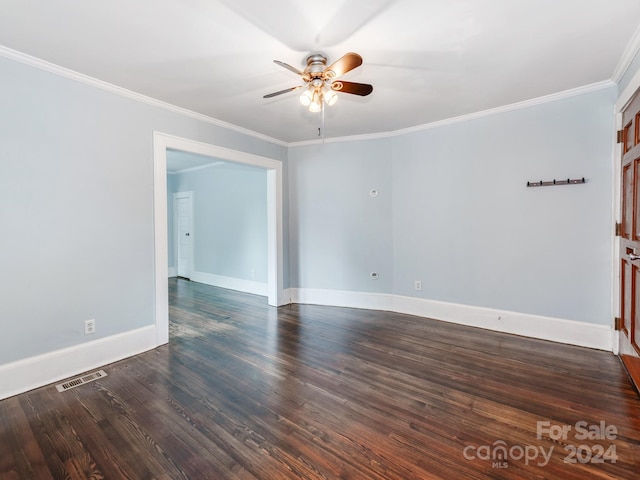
248	391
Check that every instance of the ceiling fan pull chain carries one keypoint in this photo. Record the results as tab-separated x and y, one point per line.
322	112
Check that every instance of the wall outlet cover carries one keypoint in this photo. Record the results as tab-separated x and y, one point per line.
89	326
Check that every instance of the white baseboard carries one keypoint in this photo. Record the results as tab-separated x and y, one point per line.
247	286
560	330
173	272
33	372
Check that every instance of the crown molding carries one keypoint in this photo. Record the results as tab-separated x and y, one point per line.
350	138
630	52
554	97
464	118
94	82
627	57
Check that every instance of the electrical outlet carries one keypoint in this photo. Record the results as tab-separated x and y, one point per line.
253	274
89	326
417	284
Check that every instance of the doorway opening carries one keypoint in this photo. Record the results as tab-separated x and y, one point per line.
183	225
163	142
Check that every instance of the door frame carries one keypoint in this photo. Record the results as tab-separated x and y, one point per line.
275	249
624	98
176	233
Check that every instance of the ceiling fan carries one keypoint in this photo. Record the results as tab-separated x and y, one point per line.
321	82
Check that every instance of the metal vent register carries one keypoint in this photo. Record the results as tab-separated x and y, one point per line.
76	382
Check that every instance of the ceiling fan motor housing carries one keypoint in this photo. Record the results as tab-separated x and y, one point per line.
316	64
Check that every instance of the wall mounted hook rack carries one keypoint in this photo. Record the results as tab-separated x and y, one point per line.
568	181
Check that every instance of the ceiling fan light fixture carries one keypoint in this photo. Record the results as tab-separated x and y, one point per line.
306	98
315	106
320	85
330	97
316	102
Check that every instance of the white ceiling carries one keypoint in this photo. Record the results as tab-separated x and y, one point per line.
428	60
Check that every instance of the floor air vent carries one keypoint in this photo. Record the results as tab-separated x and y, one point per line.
76	382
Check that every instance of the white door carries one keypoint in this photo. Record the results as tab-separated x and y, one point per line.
183	207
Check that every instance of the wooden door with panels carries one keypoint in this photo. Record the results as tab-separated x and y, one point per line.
629	231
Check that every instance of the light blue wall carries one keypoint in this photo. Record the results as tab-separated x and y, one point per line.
76	196
466	224
229	219
76	207
339	234
454	212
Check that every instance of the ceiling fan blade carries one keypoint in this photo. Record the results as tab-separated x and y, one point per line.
362	89
275	94
289	67
343	65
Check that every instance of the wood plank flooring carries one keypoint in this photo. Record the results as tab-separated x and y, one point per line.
247	391
632	364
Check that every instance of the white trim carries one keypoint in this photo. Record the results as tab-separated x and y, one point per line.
94	82
34	372
67	73
594	87
231	283
624	346
559	330
172	272
161	240
627	57
342	298
275	249
275	240
175	142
